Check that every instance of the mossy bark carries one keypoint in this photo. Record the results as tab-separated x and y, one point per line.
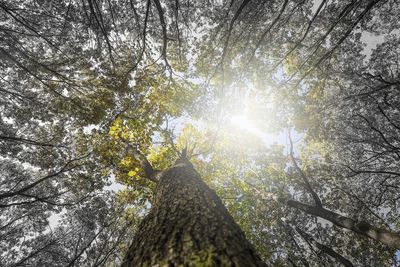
189	226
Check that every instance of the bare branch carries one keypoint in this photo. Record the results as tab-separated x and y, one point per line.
164	32
235	17
314	195
325	249
268	30
28	141
65	168
298	43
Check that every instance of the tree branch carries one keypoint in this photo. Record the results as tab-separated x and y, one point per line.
328	54
323	248
298	43
268	30
16	139
144	164
360	227
235	17
164	31
30	186
314	195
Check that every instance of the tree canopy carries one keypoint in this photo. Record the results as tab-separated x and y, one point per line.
289	110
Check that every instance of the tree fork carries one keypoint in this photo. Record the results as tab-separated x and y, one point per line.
188	225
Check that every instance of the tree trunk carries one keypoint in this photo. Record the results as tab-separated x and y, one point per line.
325	249
363	228
189	226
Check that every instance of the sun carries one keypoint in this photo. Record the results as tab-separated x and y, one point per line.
244	122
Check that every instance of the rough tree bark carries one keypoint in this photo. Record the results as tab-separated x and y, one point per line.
188	226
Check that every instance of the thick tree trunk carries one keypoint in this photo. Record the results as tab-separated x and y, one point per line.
189	226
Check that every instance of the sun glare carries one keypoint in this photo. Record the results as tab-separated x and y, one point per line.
245	123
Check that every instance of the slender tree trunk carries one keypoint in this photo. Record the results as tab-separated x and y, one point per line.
189	226
384	236
325	249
